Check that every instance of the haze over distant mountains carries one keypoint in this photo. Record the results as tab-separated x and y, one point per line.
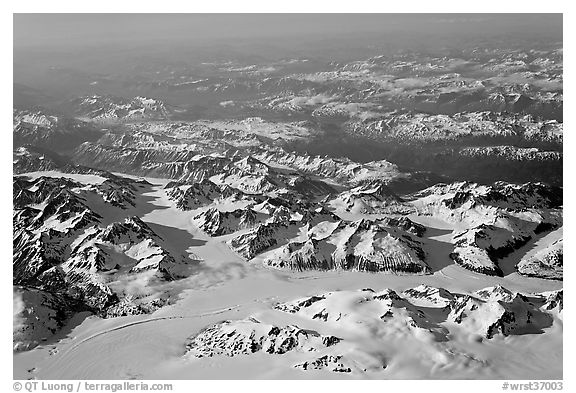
318	206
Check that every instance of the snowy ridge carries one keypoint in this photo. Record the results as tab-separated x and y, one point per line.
426	317
232	338
217	223
108	108
494	220
50	132
546	263
361	245
63	250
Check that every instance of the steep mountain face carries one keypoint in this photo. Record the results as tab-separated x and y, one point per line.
229	190
28	159
243	173
64	250
497	311
514	164
339	169
424	315
200	194
546	263
469	145
282	183
257	240
463	129
427	296
286	219
76	240
167	163
217	223
32	158
489	312
494	220
233	338
105	109
468	196
554	301
39	315
134	238
194	152
371	198
376	246
252	176
50	132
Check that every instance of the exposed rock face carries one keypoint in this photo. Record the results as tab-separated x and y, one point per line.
479	248
195	195
285	219
61	249
372	310
361	245
185	152
498	218
464	196
340	169
217	223
137	241
546	263
38	315
373	197
422	314
130	306
233	338
36	253
260	238
554	301
326	362
488	312
113	109
42	235
57	191
469	145
50	132
253	176
31	158
114	190
351	138
426	313
162	162
425	295
245	173
495	311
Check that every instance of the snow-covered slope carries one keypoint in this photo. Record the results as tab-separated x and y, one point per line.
491	221
546	263
72	246
378	246
452	324
113	109
333	330
48	131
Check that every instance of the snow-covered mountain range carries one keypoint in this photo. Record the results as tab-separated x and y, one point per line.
397	215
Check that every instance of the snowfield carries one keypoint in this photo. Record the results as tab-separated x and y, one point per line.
365	205
237	319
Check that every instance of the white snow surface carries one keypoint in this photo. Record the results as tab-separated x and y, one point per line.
226	287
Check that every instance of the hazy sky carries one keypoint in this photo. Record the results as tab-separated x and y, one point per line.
86	29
